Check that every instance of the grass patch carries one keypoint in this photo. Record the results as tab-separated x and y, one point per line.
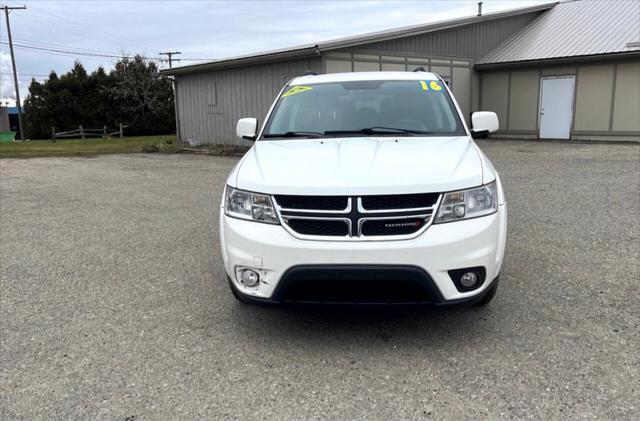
86	147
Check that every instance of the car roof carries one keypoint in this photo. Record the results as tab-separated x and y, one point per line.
362	76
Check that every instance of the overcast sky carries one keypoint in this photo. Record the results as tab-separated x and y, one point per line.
199	29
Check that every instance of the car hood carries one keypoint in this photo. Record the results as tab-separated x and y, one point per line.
360	165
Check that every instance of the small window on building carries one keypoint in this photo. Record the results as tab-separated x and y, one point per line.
339	55
212	93
418	60
366	57
393	58
393	67
443	71
338	66
365	66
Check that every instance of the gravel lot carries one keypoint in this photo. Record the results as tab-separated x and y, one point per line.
114	304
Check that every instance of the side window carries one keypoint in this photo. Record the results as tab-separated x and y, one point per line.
338	66
212	94
366	66
212	98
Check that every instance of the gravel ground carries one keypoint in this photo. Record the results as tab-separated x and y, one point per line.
114	304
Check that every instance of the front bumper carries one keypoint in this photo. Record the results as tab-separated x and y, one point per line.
272	252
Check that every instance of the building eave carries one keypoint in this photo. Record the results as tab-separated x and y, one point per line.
261	58
559	60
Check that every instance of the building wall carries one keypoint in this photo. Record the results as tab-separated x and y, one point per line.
472	41
495	95
210	103
626	107
606	99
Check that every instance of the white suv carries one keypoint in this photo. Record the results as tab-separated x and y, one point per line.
364	188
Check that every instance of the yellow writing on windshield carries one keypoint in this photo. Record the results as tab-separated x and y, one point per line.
296	90
433	85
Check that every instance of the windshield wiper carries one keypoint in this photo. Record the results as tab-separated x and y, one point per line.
293	134
382	129
378	130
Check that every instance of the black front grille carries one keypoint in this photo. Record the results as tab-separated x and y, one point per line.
328	203
357	216
328	227
364	291
403	226
383	284
399	201
372	284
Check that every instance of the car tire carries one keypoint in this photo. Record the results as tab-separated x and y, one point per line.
240	297
491	292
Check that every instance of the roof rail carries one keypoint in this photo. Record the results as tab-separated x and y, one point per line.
310	73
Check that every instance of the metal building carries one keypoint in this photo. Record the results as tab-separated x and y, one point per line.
568	70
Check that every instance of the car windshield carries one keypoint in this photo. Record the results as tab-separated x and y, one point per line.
379	107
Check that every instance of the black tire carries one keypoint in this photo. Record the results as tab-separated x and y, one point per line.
491	292
240	297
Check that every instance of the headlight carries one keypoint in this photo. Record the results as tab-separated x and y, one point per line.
465	204
250	206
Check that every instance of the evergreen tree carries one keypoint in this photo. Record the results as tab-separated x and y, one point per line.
133	93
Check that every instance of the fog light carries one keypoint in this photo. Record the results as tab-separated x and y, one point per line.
249	278
469	279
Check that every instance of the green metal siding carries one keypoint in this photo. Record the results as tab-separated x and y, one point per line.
607	94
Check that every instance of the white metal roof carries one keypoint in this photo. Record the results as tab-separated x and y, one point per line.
574	28
357	76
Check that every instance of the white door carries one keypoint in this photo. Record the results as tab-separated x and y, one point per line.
556	107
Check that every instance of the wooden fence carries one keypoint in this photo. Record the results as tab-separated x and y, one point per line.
83	133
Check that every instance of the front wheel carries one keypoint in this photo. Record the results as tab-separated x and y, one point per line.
491	292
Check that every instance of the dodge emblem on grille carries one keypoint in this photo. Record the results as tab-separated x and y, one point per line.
415	223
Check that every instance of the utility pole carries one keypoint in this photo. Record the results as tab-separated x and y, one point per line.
7	9
170	54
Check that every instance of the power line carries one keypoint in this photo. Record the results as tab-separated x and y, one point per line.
80	53
29	79
26	74
55	45
92	59
87	53
34	45
79	28
24	44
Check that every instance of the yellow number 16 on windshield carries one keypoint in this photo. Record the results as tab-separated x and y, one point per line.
432	86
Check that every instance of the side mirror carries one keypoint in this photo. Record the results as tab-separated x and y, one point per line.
483	123
247	128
